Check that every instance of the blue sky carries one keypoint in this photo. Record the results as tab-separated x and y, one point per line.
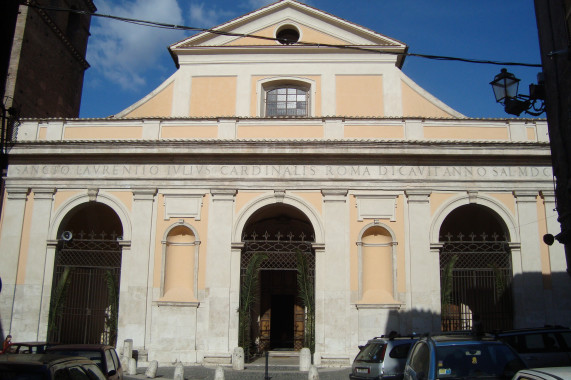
129	61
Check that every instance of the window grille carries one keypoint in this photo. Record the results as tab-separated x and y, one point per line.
287	101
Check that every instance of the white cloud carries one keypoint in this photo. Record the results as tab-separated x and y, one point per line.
123	52
208	18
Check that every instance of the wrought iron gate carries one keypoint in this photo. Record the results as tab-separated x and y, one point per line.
85	291
475	279
281	256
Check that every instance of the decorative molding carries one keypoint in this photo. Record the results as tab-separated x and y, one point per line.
182	206
376	207
195	304
388	306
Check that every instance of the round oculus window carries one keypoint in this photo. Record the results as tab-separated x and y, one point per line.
287	35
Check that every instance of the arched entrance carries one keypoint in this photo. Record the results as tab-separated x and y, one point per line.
85	287
475	270
278	242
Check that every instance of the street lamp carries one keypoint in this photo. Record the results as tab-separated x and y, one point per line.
505	86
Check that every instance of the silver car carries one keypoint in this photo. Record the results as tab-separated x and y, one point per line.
382	358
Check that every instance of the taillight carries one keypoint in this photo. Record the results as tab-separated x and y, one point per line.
383	352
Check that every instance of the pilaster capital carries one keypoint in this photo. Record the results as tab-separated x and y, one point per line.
418	196
526	196
334	195
223	194
46	194
144	194
17	192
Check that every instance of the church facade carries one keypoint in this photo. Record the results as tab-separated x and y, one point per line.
278	193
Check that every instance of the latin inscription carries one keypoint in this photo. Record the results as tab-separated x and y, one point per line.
278	171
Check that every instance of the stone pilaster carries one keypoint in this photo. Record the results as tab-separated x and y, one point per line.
28	297
134	303
528	286
424	275
332	281
218	270
10	240
561	286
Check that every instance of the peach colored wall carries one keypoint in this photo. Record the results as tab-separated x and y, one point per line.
244	197
315	198
179	265
258	98
279	131
42	133
312	35
506	199
398	228
531	134
307	35
158	105
437	200
126	198
189	132
25	242
377	267
201	229
63	195
103	133
466	133
359	95
374	131
213	96
543	248
414	104
245	41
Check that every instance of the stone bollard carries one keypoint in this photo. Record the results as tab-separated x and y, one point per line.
151	371
238	359
132	366
313	374
304	359
128	348
178	371
219	374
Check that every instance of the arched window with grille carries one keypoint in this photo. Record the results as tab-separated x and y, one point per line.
287	100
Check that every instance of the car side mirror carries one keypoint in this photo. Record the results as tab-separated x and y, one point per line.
361	348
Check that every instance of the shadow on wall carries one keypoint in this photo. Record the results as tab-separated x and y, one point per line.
536	300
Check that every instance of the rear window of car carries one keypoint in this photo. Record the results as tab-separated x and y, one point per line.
538	342
476	360
372	352
400	351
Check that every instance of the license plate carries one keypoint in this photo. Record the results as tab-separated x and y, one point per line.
362	370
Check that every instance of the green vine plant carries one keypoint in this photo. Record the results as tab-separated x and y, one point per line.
57	301
111	314
307	296
249	295
446	286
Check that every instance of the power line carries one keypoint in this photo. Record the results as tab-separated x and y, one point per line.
161	25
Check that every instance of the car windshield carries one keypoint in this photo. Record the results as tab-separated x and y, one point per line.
478	360
372	352
94	356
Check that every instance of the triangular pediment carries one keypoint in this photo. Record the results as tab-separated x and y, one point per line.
315	27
